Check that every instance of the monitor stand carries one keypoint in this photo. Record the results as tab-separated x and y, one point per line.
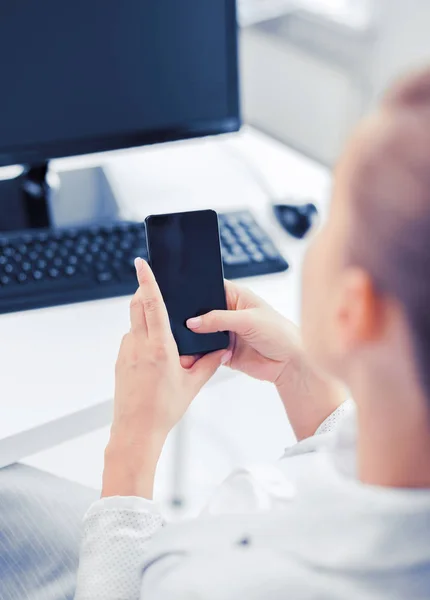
40	198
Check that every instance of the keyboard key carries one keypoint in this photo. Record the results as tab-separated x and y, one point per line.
247	219
245	239
37	275
251	247
236	249
73	260
8	269
58	261
232	220
22	278
83	240
257	257
3	260
70	270
269	250
54	273
26	266
257	234
236	259
104	277
41	264
5	280
141	252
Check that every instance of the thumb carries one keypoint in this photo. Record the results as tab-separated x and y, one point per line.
206	367
236	321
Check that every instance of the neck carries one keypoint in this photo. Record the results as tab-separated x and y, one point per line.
393	434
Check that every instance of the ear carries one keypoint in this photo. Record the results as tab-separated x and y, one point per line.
357	311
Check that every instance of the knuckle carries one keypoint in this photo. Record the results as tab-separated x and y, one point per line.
135	301
211	319
152	304
160	352
128	353
208	318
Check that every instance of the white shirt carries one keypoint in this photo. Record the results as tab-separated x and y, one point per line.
301	528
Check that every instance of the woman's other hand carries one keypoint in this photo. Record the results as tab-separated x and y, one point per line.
264	343
267	346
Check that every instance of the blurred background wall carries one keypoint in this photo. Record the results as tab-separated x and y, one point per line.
312	68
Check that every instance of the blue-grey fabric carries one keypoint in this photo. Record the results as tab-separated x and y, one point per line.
40	529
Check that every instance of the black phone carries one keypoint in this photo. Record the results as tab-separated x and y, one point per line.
185	256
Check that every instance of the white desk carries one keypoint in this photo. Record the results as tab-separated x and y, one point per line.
57	364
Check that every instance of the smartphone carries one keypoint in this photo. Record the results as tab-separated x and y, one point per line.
185	256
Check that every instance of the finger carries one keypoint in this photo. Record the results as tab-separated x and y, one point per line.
155	313
236	293
237	321
207	366
188	361
137	314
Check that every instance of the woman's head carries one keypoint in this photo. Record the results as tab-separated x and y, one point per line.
366	296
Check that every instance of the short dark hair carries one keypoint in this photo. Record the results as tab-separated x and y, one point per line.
391	199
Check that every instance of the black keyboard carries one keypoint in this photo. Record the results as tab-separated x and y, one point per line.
40	268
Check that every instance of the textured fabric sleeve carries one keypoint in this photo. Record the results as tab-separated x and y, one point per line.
117	533
332	422
327	433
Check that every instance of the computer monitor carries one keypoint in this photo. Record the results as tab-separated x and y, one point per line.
83	76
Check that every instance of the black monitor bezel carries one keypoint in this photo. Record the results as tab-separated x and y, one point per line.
31	154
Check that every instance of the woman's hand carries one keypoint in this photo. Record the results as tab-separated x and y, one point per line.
152	392
267	346
264	343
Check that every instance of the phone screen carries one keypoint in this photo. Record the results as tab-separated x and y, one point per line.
185	256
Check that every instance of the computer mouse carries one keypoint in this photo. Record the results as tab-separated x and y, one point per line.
297	220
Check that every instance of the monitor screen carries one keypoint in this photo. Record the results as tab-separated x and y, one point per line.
91	75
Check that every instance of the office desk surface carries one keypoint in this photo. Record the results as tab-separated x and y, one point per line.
57	364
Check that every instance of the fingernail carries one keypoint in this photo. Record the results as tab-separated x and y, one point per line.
194	323
226	357
138	263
